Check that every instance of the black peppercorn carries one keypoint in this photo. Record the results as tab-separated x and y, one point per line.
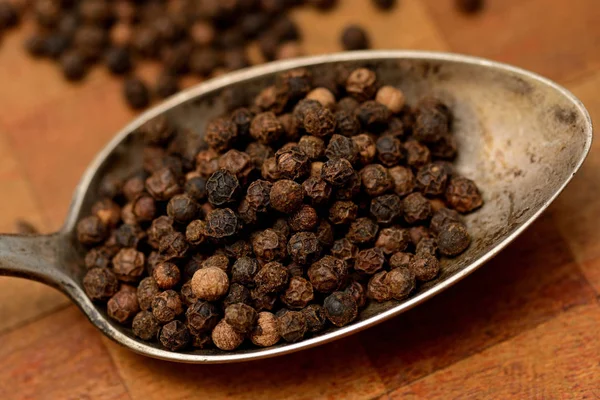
340	308
376	179
202	317
393	239
354	38
386	208
362	231
266	128
145	325
304	218
174	335
416	208
286	196
222	187
100	284
327	274
272	278
136	93
304	247
319	121
453	239
118	60
269	245
337	171
73	65
241	317
462	195
298	293
221	223
292	326
123	306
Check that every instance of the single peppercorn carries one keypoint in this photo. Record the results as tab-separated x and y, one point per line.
241	317
340	308
432	121
286	196
136	93
222	187
128	265
441	217
417	154
91	230
201	317
243	271
386	208
362	231
431	179
145	325
400	260
173	245
418	233
174	335
378	289
272	278
317	190
220	134
166	306
389	150
366	148
237	294
292	326
262	301
207	162
266	128
303	219
337	171
343	212
416	208
325	234
225	337
426	246
369	261
425	266
323	96
348	104
210	283
358	291
187	294
237	163
98	257
292	163
346	123
342	147
268	245
319	121
266	330
393	239
107	211
298	293
361	84
344	249
100	284
453	239
390	97
159	228
462	195
166	275
376	179
325	275
128	235
123	306
163	184
221	223
144	208
195	232
304	247
354	37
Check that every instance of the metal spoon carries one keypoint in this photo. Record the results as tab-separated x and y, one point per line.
521	138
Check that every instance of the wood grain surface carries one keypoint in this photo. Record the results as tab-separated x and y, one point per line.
526	325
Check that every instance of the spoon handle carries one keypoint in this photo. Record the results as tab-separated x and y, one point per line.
32	257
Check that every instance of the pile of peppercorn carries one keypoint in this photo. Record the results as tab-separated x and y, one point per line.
292	214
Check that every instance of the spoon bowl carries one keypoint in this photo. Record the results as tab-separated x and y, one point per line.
521	137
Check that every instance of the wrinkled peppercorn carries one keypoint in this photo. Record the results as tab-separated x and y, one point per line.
346	123
145	325
317	190
91	230
358	292
417	155
462	195
362	231
453	239
237	294
163	184
266	128
100	284
319	121
292	326
337	171
298	293
123	306
304	247
129	235
222	187
304	219
340	308
266	330
272	277
201	317
210	283
225	337
286	196
128	265
373	115
389	150
292	163
393	239
241	317
366	148
343	212
377	288
361	84
416	208
269	245
441	217
221	223
173	245
166	306
344	249
386	208
369	261
376	179
159	228
174	335
243	271
425	266
325	274
431	179
400	260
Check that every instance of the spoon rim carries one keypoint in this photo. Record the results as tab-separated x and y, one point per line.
253	72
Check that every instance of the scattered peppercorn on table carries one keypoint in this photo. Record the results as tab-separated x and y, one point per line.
523	326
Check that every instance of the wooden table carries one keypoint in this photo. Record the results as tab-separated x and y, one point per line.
526	325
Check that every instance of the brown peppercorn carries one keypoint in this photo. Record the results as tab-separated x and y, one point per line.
340	308
128	265
91	230
441	217
195	232
416	208
266	128
403	180
225	337
123	306
145	326
160	227
118	60
425	266
323	96
326	274
237	294
453	239
221	223
376	179
391	97
317	190
295	83
174	335
304	219
166	275
462	195
243	271
222	187
157	131
210	283
343	212
351	189
358	291
163	184
319	121
303	107
218	260
291	126
348	104
129	235
286	196
127	215
201	317
187	294
133	187
418	233
312	146
247	213
298	293
304	247
369	261
426	246
354	37
146	291
337	171
182	208
432	121
107	211
100	284
237	163
273	277
401	282
98	257
366	148
292	326
361	84
386	208
173	245
362	231
136	93
325	234
315	318
417	155
258	153
292	163
207	162
241	317
432	179
342	147
268	100
263	301
389	150
167	84
393	239
344	250
269	169
266	330
378	289
220	134
400	260
268	245
144	208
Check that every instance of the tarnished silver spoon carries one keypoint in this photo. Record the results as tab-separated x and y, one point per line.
521	138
